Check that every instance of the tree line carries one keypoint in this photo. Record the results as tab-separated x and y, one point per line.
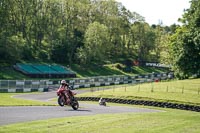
86	31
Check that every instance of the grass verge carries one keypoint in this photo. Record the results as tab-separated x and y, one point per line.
176	121
7	99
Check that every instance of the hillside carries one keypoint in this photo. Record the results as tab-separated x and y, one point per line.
93	70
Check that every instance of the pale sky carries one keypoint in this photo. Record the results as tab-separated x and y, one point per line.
167	11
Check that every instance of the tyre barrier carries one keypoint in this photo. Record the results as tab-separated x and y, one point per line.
145	103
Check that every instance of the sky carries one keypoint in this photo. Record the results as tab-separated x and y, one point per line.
155	11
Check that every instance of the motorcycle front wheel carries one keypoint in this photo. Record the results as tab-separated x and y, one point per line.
75	104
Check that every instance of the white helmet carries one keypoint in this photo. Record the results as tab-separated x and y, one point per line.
63	82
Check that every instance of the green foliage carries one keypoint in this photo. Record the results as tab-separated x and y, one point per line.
11	47
96	43
185	44
75	31
144	40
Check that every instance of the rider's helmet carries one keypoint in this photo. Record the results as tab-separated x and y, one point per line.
100	100
63	82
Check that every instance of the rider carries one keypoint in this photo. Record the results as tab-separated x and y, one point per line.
65	85
102	101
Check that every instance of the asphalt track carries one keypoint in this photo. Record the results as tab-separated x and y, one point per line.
16	114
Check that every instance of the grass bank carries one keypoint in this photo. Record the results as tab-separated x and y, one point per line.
9	73
113	69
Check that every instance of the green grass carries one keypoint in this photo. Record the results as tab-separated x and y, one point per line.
7	99
145	70
111	69
170	120
183	91
10	73
95	70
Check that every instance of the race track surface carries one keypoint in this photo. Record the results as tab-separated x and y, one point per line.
16	114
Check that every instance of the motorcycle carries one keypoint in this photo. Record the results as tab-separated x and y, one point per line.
66	97
102	102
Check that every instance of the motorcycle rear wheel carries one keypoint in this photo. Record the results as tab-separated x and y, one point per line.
103	103
61	101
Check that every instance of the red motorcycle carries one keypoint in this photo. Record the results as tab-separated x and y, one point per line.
66	97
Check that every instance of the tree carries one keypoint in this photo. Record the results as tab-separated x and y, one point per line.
96	43
185	43
11	41
144	39
57	30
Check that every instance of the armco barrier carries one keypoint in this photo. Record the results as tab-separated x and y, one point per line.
146	103
24	85
115	80
44	85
